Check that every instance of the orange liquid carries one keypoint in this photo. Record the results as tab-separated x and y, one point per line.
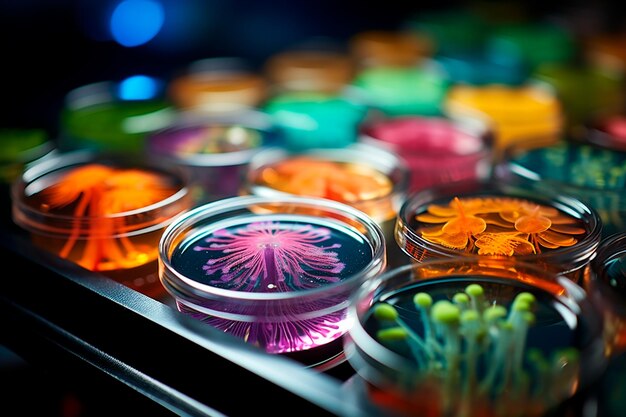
357	185
98	217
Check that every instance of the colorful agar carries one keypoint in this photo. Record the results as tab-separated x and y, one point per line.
436	150
517	114
592	174
263	257
275	255
498	226
94	196
343	182
473	355
215	139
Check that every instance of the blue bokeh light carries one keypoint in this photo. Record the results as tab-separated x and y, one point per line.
135	22
139	87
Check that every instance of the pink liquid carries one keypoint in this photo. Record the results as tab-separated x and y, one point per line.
435	149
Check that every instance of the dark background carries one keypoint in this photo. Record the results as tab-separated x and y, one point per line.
49	47
52	46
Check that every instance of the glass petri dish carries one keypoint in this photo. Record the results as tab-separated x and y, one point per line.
102	212
276	272
436	150
366	177
314	119
216	85
214	149
114	116
593	174
533	43
606	284
517	114
461	336
402	91
395	48
20	147
586	92
493	219
309	69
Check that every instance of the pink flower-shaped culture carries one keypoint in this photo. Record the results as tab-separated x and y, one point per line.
272	257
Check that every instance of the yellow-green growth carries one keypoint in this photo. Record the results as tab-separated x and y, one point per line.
527	297
445	312
470	317
392	334
461	299
478	348
423	300
494	313
520	305
385	312
475	290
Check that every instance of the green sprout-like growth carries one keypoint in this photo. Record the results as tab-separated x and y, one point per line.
477	351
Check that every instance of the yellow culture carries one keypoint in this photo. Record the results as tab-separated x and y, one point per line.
517	114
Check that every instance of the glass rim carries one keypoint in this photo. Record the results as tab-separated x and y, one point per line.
457	124
186	287
491	187
611	248
246	117
379	158
510	165
574	297
66	160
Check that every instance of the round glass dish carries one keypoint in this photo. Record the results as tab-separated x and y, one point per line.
532	43
214	149
436	150
104	213
477	68
585	91
309	69
472	337
593	174
402	91
276	272
217	84
366	177
517	114
313	119
606	285
492	219
112	116
389	48
19	148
